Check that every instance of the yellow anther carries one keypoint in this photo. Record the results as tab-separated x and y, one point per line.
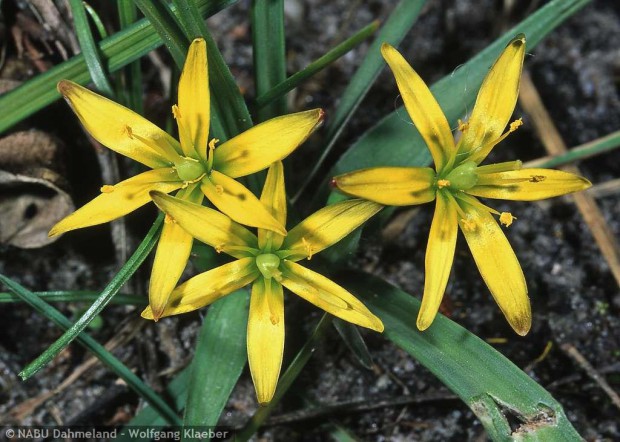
537	178
515	125
468	225
176	112
308	247
212	143
506	218
106	188
463	125
219	189
443	183
219	248
128	131
169	219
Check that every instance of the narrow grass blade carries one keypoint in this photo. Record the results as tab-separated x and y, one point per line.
394	141
269	52
317	65
596	147
118	50
167	27
107	294
393	31
493	387
219	360
89	48
351	336
76	296
96	20
97	349
286	380
131	86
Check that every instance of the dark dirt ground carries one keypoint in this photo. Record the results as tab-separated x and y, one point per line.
575	298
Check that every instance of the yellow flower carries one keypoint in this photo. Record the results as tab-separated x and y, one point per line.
458	178
192	166
269	262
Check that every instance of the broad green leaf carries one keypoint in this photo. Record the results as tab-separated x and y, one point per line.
269	53
219	359
394	141
117	51
97	349
491	385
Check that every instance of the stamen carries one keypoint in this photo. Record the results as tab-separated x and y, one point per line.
463	125
219	248
187	143
537	178
515	125
106	188
210	153
168	219
443	183
500	167
219	189
128	131
468	225
506	218
308	247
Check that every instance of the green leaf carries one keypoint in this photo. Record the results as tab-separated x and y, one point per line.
130	89
394	141
269	52
396	27
89	48
95	309
491	385
220	357
97	349
317	65
77	296
164	22
596	147
118	50
351	336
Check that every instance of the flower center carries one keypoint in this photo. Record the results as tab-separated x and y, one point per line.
189	169
268	264
463	177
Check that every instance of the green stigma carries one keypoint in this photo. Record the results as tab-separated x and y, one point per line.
189	169
464	176
268	264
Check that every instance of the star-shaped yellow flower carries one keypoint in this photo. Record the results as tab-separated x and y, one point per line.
193	166
269	262
458	179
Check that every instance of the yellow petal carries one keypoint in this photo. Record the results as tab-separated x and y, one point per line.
208	287
528	184
173	250
495	102
266	337
119	200
327	295
194	104
265	143
327	226
422	107
119	128
439	256
392	186
236	201
207	225
273	198
498	265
